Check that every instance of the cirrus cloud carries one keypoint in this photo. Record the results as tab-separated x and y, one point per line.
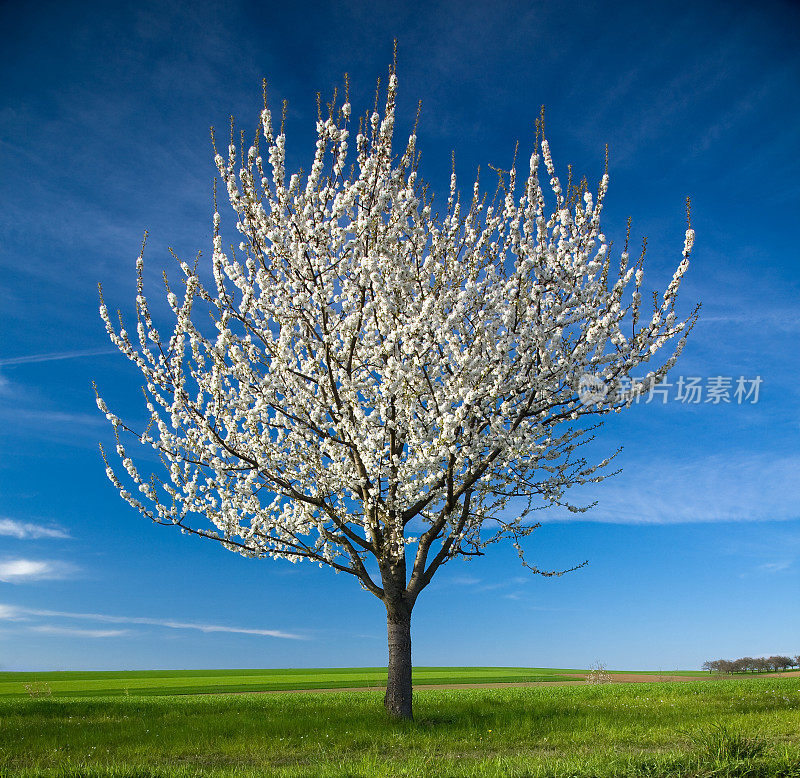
16	613
76	632
24	530
25	570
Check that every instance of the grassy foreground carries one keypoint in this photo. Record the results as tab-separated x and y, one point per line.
729	728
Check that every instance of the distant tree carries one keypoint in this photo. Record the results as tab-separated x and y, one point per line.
598	674
796	661
717	665
741	665
380	383
780	662
762	664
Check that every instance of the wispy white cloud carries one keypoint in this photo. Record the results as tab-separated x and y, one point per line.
460	580
26	570
744	108
490	587
33	358
781	318
77	632
9	612
81	430
479	585
57	419
528	603
731	487
776	567
27	531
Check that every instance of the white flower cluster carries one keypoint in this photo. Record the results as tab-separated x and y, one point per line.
374	366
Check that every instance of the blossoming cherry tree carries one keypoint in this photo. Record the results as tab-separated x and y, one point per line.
383	387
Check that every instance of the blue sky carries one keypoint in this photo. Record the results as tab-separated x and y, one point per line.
694	548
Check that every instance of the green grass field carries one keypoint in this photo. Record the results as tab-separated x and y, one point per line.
748	728
170	682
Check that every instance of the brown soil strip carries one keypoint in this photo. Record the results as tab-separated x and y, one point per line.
579	680
638	677
417	687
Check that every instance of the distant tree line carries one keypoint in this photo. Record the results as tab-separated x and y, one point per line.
750	664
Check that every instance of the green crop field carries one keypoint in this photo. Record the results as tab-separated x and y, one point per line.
748	728
168	682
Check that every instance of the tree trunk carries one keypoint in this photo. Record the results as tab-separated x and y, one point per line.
398	685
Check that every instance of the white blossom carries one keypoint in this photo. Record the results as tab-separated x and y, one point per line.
377	373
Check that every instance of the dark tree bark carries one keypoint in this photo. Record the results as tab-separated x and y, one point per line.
399	603
398	685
